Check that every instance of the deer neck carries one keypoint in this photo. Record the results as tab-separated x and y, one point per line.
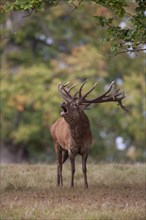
80	127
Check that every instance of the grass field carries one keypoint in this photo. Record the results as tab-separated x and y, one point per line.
116	192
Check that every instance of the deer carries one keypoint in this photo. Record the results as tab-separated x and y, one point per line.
72	133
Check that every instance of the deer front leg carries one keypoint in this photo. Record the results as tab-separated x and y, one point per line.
72	161
59	165
84	160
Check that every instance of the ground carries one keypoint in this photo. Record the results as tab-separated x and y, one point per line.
116	192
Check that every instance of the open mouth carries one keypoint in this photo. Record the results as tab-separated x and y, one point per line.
64	110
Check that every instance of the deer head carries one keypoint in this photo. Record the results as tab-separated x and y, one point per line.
74	104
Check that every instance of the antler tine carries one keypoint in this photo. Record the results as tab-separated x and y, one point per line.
110	87
80	90
120	101
64	85
58	86
59	89
64	89
67	93
64	93
88	92
69	89
122	106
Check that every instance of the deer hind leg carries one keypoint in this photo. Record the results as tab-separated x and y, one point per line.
64	156
84	160
59	164
72	162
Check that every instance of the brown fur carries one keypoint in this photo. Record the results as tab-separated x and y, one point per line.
71	139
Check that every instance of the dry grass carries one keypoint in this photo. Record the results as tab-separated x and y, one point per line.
116	192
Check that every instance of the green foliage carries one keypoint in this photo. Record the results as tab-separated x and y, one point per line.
37	5
115	5
131	37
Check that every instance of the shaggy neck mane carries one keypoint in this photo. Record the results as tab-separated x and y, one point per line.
79	129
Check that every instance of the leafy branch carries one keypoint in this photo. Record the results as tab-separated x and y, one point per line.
130	37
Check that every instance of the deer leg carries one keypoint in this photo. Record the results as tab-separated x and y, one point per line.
84	160
72	161
64	156
59	165
61	179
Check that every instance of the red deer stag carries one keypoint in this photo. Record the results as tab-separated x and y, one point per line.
71	133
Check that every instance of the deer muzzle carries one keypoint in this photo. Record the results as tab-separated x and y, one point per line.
64	109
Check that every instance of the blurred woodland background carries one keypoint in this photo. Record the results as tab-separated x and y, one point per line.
47	42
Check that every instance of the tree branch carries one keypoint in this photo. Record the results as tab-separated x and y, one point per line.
123	51
127	51
29	13
136	19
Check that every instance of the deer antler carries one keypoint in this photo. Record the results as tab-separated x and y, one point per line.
80	90
115	96
108	96
64	90
61	91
